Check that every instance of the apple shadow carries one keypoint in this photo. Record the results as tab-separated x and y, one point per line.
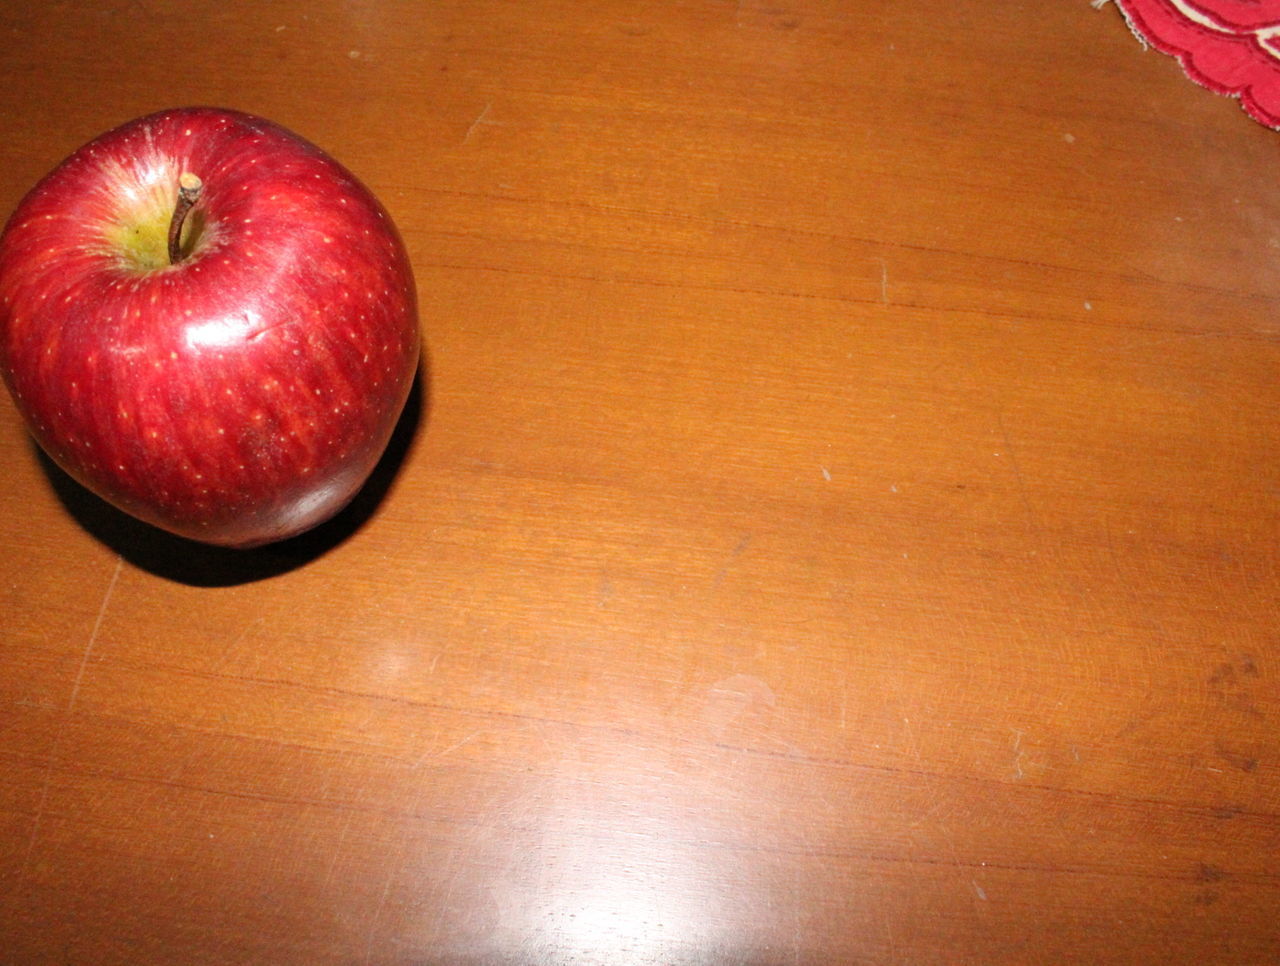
203	565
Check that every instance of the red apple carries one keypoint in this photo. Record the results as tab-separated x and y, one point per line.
236	386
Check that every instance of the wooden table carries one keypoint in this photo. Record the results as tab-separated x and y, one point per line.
838	521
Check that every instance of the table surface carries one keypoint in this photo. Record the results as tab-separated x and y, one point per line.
837	522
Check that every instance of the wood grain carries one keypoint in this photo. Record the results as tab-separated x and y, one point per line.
837	522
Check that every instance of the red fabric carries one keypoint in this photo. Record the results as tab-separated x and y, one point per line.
1228	46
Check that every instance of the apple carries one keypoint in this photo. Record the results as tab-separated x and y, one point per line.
210	323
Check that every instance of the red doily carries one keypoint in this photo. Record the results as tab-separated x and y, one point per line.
1228	46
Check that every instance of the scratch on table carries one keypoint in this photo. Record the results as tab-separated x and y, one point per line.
884	282
435	755
1017	470
887	921
435	658
1018	754
337	849
93	635
796	930
377	914
913	746
482	119
71	703
236	641
35	824
604	591
738	550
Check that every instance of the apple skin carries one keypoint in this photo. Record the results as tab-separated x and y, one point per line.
244	393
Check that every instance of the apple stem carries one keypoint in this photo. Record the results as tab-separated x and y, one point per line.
189	188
